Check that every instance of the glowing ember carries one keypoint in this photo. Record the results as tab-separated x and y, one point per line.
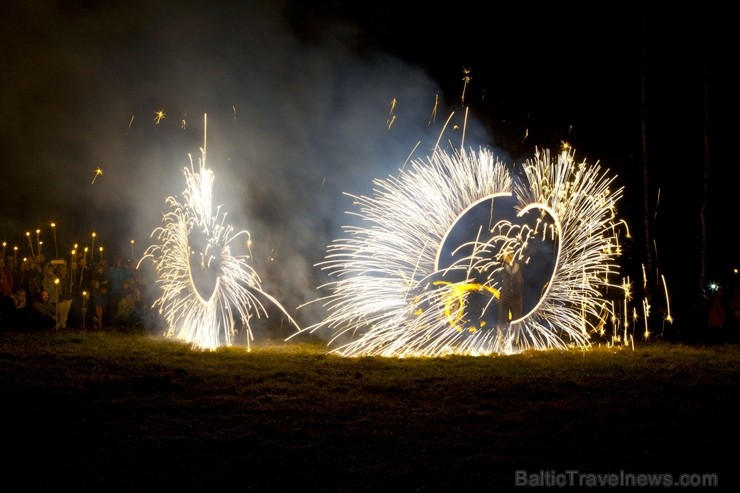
396	289
208	294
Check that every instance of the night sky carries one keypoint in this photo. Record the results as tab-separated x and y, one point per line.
298	97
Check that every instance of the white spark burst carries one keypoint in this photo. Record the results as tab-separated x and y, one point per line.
208	294
390	295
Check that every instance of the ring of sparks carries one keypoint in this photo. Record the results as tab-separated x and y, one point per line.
389	297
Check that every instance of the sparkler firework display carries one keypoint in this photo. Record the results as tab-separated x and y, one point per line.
403	285
208	295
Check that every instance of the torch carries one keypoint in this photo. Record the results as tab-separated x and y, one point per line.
72	269
54	233
56	303
28	235
84	308
83	265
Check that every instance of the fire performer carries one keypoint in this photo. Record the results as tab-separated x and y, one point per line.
510	304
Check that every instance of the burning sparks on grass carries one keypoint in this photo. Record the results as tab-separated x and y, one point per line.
389	294
208	294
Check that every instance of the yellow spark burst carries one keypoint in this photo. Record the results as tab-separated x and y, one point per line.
159	116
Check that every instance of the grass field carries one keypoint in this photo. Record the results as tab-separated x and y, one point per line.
124	411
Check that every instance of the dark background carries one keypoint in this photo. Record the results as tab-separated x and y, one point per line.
298	97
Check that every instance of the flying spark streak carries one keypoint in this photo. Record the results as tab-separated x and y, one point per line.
208	296
400	171
668	316
390	293
433	117
466	80
646	311
465	126
98	172
391	116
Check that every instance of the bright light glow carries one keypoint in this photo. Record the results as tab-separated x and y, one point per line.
385	296
208	294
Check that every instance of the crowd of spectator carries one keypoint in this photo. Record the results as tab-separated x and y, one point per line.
41	294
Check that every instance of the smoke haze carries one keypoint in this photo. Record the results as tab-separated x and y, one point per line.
296	118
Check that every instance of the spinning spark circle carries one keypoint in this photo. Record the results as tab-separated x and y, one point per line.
205	289
391	295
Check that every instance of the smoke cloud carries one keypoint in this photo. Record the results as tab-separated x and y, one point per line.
293	119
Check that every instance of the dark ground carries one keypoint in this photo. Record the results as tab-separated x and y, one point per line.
124	411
